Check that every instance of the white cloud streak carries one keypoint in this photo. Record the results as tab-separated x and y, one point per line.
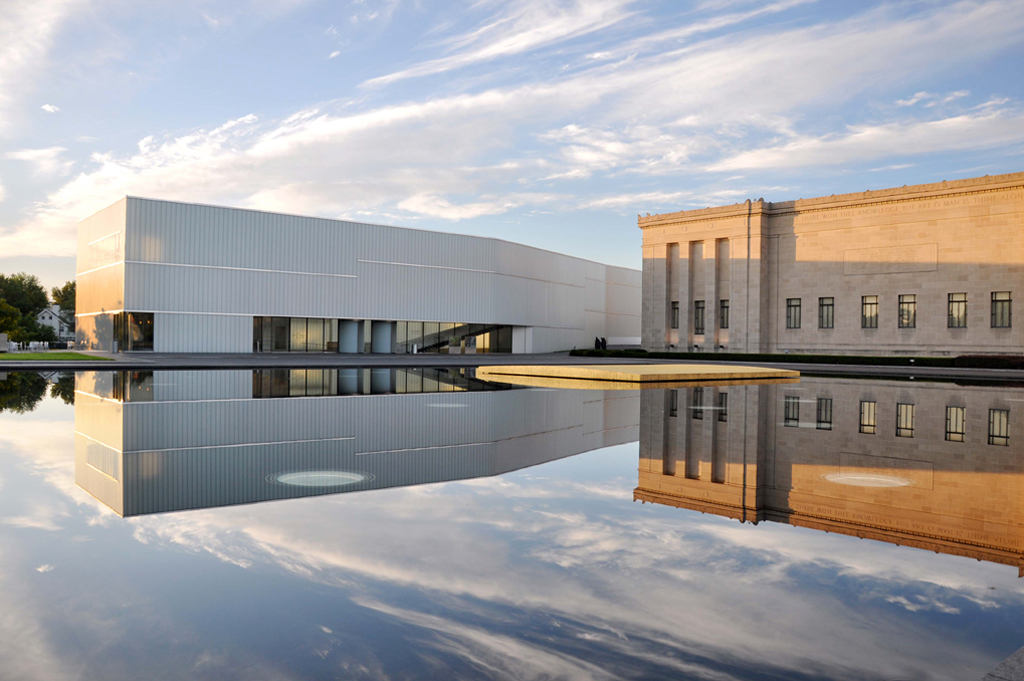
520	27
45	162
866	143
27	31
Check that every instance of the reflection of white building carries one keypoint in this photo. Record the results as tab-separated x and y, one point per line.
57	320
163	441
930	465
174	277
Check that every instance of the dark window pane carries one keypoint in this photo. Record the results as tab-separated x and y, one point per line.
826	313
957	310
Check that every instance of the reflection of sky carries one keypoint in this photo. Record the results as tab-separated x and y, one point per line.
550	572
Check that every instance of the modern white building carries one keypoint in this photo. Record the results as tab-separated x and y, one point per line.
57	320
177	277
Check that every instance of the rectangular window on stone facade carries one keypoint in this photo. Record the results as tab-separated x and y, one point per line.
698	404
698	317
826	313
824	413
1001	309
869	312
673	403
723	407
792	313
955	424
999	427
904	420
908	311
723	314
792	412
867	417
958	310
674	321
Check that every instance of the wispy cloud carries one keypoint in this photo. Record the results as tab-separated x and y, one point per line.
27	31
50	108
47	162
867	143
519	27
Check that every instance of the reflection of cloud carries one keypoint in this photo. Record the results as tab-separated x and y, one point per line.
26	648
498	655
41	516
538	572
619	569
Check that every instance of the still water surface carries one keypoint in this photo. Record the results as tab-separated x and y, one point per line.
423	524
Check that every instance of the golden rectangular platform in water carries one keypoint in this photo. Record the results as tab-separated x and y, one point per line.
631	375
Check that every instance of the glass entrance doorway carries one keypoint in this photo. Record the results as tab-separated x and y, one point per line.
294	334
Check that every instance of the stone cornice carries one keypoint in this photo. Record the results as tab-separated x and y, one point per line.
920	192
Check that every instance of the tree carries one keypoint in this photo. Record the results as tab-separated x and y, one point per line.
64	388
10	317
65	297
21	392
24	292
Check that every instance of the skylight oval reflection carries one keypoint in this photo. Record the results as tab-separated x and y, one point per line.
319	478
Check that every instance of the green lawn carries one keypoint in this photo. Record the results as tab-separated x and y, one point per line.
57	356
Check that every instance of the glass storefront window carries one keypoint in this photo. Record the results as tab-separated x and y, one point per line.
315	335
133	331
301	334
281	331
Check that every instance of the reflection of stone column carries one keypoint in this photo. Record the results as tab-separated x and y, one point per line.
694	433
720	437
381	337
653	412
350	335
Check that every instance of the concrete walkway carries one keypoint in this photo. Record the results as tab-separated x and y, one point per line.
148	361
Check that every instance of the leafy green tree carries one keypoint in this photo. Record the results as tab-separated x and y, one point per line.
31	330
21	392
10	317
64	388
24	292
65	297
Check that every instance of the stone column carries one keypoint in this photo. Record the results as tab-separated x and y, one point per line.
684	296
710	296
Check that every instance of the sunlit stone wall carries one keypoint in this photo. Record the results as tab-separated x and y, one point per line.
926	241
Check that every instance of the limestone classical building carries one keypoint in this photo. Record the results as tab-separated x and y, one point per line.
930	269
177	277
930	465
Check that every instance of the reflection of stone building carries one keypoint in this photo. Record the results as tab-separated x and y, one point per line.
164	441
929	269
934	466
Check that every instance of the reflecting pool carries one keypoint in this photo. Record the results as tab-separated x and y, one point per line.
422	523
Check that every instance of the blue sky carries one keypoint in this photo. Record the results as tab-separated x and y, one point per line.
549	122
